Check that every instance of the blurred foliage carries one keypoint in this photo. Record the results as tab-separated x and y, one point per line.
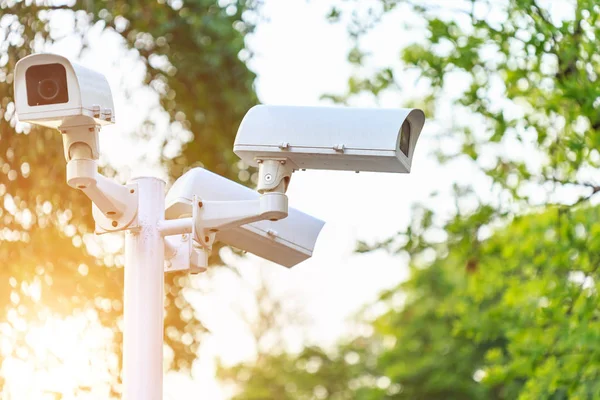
203	85
502	298
519	321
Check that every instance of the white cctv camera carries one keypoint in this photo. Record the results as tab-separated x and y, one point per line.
282	139
286	242
53	92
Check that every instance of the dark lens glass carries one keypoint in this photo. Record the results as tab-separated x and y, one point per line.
48	89
46	84
405	138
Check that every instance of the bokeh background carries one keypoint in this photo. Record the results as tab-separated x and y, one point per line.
474	277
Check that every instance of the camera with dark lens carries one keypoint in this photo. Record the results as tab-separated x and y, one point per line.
53	92
46	84
331	138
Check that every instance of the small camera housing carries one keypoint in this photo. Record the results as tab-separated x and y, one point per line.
332	138
53	92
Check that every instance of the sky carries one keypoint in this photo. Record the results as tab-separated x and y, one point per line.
299	56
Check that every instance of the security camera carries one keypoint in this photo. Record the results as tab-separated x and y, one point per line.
53	92
286	242
177	233
282	139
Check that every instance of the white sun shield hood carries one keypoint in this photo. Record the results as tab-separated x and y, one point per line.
331	138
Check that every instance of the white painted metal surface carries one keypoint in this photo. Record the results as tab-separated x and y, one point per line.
89	95
144	296
356	139
285	138
175	226
286	242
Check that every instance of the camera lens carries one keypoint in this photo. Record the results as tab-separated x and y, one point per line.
48	89
46	84
405	138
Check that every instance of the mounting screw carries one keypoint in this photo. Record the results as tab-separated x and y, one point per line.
339	148
268	177
131	190
206	239
184	237
200	204
284	145
272	233
213	230
115	223
282	162
96	110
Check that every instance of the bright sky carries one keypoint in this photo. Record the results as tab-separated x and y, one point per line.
299	57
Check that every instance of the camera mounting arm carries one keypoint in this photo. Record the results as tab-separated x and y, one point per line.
114	205
214	216
210	217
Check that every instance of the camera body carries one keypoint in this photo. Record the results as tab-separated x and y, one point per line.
51	91
332	138
286	242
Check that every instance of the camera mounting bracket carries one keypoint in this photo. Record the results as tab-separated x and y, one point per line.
86	134
210	217
274	175
114	205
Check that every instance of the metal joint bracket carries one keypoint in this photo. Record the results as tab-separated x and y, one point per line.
210	217
182	253
274	174
178	250
125	220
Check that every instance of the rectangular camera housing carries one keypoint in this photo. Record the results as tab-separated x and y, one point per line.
286	242
53	92
332	138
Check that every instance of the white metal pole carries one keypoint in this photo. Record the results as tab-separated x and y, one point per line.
143	298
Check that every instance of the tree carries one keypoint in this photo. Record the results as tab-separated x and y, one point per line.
205	88
520	322
502	298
